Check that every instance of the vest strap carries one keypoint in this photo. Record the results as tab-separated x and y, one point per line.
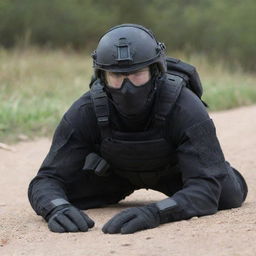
101	107
169	91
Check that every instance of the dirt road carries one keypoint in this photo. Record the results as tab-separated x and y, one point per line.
231	232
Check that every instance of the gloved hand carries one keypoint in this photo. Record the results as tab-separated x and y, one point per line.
133	219
69	219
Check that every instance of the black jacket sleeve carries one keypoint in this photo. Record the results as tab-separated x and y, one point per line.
200	158
73	140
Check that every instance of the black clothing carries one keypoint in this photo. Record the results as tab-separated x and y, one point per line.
196	174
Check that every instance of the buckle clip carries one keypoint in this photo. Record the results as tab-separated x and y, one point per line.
103	120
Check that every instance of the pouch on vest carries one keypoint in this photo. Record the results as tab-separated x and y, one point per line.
96	164
136	156
142	162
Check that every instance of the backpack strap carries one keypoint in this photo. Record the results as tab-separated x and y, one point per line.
101	108
169	91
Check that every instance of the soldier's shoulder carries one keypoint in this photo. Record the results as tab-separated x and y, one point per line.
82	103
82	108
188	100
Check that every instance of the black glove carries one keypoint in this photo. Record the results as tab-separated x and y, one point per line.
133	219
69	219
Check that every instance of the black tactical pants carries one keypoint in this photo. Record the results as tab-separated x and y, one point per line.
92	191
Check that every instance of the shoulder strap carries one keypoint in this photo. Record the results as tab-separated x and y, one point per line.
101	108
169	90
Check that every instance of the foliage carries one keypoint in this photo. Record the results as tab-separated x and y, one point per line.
221	29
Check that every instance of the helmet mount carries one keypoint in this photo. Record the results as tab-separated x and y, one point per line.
124	52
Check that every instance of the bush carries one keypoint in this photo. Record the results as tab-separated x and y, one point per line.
220	29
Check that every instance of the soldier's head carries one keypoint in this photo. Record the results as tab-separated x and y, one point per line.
128	50
128	59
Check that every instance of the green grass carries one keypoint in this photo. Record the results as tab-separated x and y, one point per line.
224	87
38	86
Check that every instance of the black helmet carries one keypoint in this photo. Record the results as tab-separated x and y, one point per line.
126	48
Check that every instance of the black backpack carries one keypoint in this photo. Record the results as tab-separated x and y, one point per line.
176	67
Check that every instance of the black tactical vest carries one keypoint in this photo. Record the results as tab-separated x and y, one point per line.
141	157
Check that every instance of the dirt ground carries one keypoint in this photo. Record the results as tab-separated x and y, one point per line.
230	232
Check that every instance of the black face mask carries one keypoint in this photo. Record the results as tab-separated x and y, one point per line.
132	100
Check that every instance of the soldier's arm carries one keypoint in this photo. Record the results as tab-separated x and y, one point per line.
71	143
202	166
201	162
